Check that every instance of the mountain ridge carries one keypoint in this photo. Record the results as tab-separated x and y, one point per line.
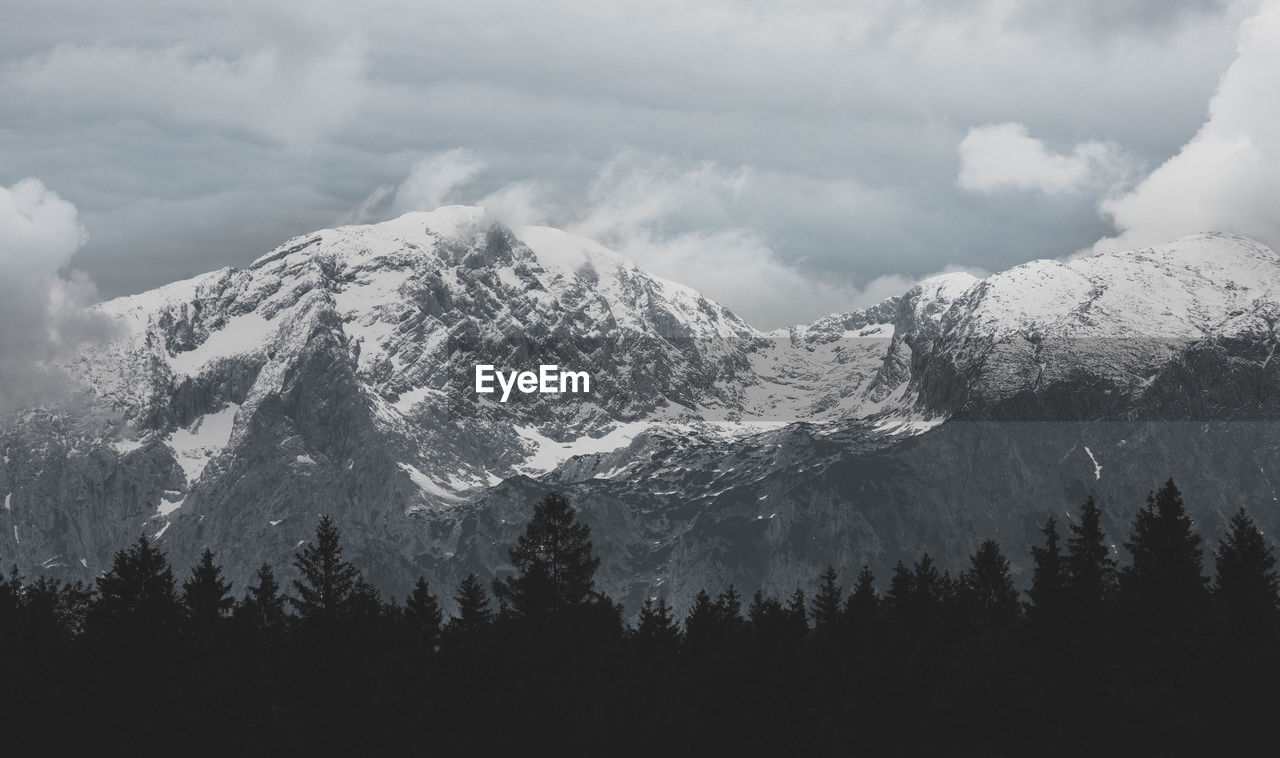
333	375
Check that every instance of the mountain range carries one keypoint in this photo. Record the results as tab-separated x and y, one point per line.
335	375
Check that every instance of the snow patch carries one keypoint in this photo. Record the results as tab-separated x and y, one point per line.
426	484
240	335
1097	467
124	447
412	397
203	439
548	454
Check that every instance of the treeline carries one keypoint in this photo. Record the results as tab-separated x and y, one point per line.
1149	658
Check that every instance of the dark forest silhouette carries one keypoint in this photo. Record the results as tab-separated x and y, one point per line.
1148	658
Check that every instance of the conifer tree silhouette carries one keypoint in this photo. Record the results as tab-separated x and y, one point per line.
206	596
326	582
136	597
729	607
827	604
263	607
1047	608
703	628
864	601
1165	584
422	613
1245	586
987	588
769	620
657	629
1090	570
555	565
797	616
474	615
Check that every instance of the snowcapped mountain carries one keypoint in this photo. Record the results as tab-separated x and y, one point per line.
335	375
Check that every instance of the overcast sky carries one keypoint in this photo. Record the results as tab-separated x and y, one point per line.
789	159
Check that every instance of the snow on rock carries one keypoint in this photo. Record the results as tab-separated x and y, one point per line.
1119	317
240	335
429	486
204	438
1097	467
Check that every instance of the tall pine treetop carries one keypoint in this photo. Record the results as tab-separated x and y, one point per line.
327	581
554	561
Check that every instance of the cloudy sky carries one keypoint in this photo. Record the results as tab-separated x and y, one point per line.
789	159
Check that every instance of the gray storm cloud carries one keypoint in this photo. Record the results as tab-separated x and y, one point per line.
42	311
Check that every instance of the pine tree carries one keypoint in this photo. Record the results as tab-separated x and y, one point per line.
1245	588
365	603
206	596
827	603
986	587
323	592
47	614
864	602
1090	570
768	620
136	597
729	608
422	613
263	605
1164	586
1048	582
703	628
473	616
797	617
918	596
657	629
554	562
930	585
901	589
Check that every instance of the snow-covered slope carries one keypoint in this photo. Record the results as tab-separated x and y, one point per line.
1113	322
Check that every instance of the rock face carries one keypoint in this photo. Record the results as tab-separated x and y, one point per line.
335	375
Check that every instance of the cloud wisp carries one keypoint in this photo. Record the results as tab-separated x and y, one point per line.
677	219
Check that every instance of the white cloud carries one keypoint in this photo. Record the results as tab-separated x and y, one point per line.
1227	177
522	203
1004	156
433	178
681	220
42	314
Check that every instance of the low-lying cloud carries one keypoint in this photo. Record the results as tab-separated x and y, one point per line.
675	218
42	310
